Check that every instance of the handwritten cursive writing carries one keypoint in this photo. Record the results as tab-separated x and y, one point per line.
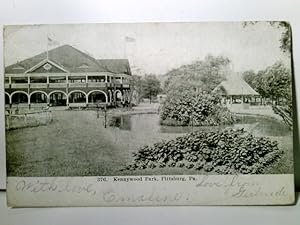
113	197
64	186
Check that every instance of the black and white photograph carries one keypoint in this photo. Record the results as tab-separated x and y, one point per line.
148	99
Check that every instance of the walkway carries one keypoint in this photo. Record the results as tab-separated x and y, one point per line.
254	110
147	108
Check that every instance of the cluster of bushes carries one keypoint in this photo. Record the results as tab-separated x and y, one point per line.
197	109
224	152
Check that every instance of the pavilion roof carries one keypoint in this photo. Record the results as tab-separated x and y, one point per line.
235	86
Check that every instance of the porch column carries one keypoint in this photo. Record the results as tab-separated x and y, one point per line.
47	81
67	100
109	96
48	100
28	90
28	96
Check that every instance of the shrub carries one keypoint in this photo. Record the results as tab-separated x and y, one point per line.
189	108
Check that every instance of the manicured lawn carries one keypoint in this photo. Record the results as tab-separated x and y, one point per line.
74	144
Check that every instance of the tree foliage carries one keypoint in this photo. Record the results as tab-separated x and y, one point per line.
274	82
150	86
135	89
204	75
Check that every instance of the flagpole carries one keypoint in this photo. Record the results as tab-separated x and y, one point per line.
47	47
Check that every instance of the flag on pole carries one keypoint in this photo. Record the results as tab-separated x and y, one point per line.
50	43
129	39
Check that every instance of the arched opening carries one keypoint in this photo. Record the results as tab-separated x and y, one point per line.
19	98
38	98
77	97
96	97
58	98
7	101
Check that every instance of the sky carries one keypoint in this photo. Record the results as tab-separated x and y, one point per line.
154	48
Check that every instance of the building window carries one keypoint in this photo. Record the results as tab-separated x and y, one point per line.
19	80
77	79
38	80
57	80
96	79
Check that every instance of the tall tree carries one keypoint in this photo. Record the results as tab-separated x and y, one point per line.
135	89
274	82
278	80
150	86
204	75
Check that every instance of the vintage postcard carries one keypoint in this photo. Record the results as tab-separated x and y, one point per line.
149	114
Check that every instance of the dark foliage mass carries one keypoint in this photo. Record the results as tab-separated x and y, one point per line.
205	74
223	152
274	83
150	86
195	109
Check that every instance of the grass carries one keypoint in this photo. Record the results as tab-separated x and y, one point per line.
74	144
77	144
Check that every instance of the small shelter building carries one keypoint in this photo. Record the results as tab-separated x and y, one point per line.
235	90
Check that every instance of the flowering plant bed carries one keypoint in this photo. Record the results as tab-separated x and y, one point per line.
224	152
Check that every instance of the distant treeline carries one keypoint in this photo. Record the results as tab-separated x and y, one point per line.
273	83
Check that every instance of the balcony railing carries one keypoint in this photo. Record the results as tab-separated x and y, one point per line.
79	104
77	84
16	85
57	85
96	84
38	85
65	84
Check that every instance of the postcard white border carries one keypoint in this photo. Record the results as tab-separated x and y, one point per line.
151	190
